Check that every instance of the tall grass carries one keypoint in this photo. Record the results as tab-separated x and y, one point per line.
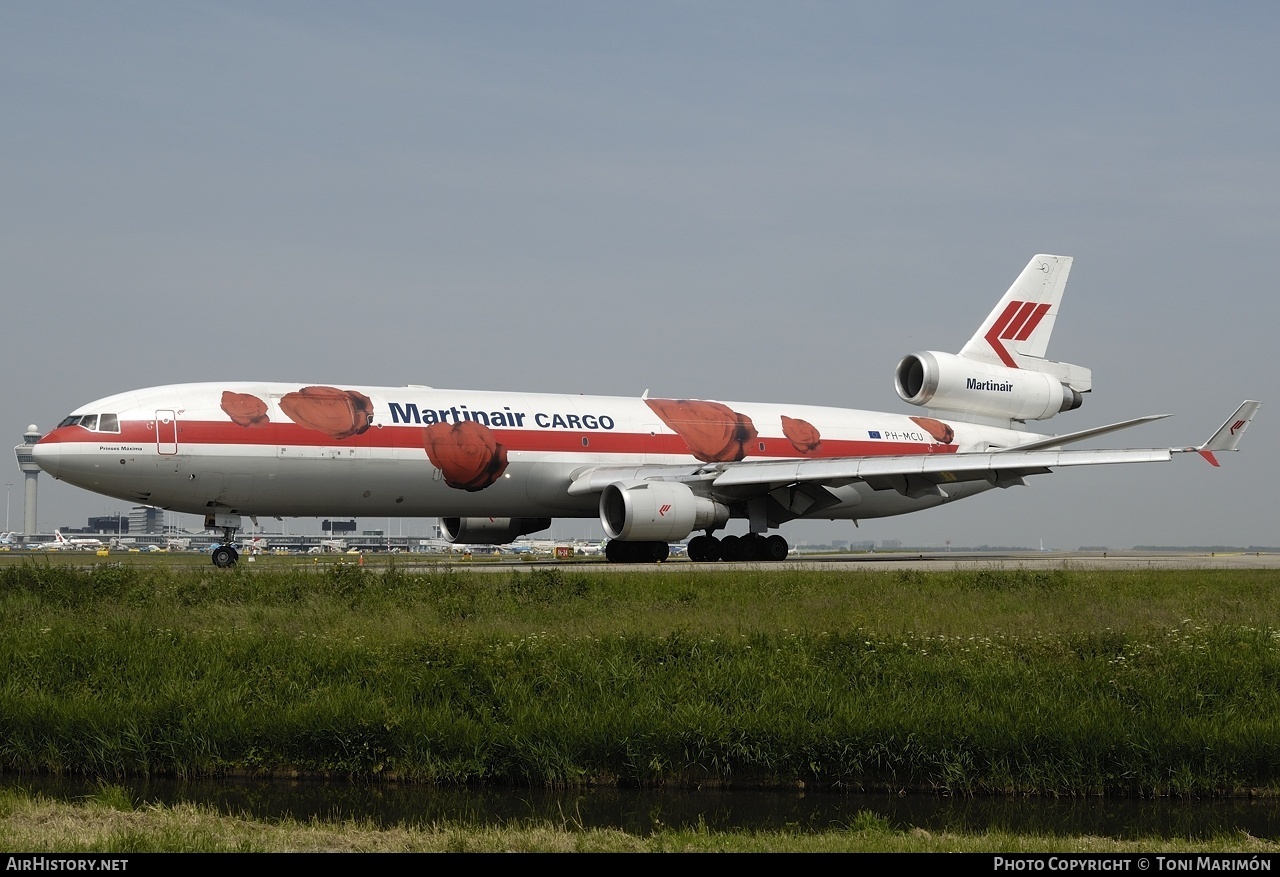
989	681
108	823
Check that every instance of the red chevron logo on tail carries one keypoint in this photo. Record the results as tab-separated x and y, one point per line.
1016	323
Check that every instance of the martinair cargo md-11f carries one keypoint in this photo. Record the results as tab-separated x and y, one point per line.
495	466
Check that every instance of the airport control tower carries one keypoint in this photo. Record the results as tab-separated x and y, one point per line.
27	463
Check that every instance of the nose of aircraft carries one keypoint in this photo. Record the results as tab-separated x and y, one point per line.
47	456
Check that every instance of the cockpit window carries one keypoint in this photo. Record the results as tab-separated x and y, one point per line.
94	422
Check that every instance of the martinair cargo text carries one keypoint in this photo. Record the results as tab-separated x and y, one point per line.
496	466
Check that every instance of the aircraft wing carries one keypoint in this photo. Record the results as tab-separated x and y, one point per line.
914	475
910	474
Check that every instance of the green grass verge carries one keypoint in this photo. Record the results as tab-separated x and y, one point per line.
996	680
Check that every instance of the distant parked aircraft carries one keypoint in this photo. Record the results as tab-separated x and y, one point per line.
84	542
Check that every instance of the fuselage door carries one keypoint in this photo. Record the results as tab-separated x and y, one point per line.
166	433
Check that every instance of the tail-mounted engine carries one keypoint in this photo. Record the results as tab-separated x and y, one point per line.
489	531
656	511
947	382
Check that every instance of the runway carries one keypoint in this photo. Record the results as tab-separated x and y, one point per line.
945	560
935	561
885	561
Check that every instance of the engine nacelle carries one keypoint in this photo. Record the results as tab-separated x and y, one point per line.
948	382
489	531
656	511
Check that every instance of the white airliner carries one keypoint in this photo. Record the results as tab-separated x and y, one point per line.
495	466
75	542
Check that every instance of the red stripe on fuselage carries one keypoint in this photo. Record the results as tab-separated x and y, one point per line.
141	434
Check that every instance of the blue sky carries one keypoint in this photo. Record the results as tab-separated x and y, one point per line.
740	201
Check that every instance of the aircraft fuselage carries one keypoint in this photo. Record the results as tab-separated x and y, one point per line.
275	449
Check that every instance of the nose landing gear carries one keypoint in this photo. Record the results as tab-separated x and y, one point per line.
225	555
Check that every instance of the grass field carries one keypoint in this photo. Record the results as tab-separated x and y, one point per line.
997	680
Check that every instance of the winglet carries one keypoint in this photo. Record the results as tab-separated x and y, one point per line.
1227	438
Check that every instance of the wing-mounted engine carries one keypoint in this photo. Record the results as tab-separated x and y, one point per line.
661	511
960	387
489	531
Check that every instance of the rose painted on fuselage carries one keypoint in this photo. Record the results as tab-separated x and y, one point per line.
466	453
803	435
713	432
940	431
337	413
244	409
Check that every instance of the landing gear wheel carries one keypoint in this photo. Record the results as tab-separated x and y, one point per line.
704	549
776	548
697	549
225	557
731	548
752	547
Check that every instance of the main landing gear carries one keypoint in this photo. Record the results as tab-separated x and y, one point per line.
704	549
755	546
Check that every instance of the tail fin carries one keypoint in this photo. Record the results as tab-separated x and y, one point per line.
1016	333
59	538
